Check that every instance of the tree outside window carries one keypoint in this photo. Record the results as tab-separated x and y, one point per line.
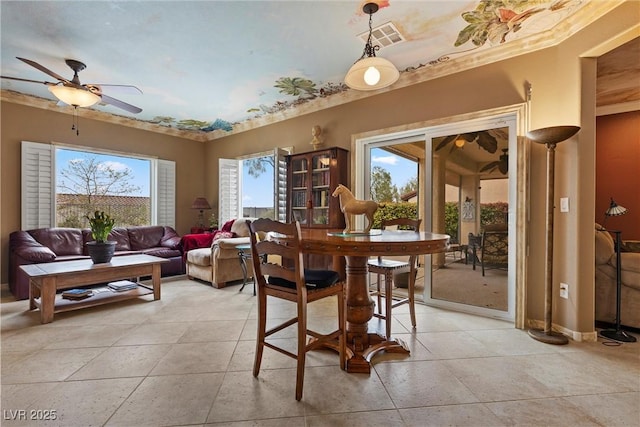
86	182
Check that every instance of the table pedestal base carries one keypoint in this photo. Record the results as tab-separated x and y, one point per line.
362	345
360	361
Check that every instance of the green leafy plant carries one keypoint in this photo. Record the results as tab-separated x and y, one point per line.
213	221
101	225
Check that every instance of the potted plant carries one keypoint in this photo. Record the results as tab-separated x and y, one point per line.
101	250
213	222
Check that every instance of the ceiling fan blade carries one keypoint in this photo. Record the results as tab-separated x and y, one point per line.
489	167
122	89
28	80
488	142
44	69
446	140
120	104
469	137
503	167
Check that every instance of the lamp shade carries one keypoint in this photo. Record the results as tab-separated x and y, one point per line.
72	96
615	209
200	203
371	73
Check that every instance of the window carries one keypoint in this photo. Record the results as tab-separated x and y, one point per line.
253	186
60	185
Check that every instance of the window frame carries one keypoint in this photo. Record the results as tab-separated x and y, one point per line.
38	184
230	184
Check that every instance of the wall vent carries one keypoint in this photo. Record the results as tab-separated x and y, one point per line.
383	35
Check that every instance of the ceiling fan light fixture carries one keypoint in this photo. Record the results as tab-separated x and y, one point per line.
73	96
460	142
371	72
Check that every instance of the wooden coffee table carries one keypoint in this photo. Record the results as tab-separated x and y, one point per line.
47	278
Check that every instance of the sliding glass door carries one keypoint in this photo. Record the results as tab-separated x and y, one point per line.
467	185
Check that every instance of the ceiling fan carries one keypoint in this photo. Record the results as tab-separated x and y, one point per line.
483	138
74	93
502	164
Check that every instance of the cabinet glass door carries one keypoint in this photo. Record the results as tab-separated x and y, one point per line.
320	181
299	190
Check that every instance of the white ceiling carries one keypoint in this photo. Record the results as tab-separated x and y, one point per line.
209	65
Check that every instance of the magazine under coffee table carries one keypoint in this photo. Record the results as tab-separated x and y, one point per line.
47	278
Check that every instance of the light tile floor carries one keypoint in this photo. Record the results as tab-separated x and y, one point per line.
186	360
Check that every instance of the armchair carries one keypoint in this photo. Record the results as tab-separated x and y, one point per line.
220	263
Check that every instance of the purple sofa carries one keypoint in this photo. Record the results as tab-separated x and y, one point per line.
63	244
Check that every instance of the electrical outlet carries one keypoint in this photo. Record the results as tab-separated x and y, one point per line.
564	290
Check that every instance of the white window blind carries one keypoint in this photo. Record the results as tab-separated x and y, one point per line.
229	189
280	184
37	185
166	193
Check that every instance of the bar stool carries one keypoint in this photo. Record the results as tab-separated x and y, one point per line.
387	268
285	277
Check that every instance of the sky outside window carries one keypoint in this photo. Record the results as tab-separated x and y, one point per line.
140	169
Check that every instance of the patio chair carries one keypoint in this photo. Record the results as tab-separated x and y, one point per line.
495	247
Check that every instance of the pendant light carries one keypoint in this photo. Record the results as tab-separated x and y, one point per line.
371	72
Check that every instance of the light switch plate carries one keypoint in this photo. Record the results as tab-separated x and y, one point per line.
564	204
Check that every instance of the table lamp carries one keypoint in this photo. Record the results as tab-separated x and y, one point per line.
201	204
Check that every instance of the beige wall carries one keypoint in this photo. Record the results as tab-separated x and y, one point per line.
560	96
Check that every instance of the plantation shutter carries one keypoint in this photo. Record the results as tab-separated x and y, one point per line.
37	185
166	193
280	184
229	189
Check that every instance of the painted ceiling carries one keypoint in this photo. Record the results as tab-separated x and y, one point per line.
215	67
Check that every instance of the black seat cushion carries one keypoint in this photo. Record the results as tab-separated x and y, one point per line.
313	278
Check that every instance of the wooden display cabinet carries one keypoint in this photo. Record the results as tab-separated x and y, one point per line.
312	177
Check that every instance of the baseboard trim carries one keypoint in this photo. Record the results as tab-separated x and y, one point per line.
591	336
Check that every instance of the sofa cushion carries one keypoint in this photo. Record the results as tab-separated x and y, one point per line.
62	241
26	247
240	227
227	225
145	237
162	252
630	261
36	254
121	236
170	238
222	235
200	256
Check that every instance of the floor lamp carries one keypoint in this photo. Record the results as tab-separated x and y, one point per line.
617	334
550	137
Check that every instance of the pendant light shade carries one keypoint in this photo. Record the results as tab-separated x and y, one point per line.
73	96
371	72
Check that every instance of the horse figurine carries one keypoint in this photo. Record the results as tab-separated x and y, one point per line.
349	205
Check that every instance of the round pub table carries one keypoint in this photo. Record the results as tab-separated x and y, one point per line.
357	248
